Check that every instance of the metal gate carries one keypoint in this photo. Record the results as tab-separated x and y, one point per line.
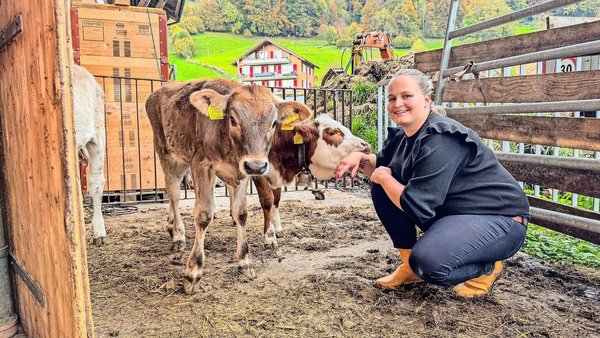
132	170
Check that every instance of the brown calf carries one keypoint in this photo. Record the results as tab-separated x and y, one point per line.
216	127
325	142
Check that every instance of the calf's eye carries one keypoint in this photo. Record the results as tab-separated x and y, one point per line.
232	121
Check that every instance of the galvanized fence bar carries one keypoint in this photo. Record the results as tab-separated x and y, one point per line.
446	51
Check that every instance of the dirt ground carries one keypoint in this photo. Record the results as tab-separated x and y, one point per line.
318	284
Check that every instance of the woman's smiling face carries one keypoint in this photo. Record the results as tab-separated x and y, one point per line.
407	104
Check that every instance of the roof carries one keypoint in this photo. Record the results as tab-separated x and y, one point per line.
265	42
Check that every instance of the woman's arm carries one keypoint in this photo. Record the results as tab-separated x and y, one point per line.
354	161
393	188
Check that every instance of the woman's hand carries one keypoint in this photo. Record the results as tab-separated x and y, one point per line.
349	163
380	174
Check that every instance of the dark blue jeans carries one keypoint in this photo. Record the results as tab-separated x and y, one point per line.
454	248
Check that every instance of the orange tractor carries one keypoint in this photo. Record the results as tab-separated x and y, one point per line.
375	39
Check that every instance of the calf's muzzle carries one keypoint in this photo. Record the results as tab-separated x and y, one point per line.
256	167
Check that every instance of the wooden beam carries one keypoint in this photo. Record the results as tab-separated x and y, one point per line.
563	208
566	132
530	88
578	180
510	46
42	205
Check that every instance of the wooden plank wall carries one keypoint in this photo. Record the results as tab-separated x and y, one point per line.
561	131
42	203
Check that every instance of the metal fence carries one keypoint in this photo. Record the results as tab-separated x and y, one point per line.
132	170
541	119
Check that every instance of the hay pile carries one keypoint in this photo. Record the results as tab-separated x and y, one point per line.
371	71
368	73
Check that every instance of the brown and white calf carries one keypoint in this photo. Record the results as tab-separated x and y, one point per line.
214	127
326	142
90	136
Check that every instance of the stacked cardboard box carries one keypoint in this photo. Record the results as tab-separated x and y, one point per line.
126	49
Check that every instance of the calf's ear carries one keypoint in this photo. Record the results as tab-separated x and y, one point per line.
209	102
294	112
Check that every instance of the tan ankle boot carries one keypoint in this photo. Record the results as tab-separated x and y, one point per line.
479	286
402	275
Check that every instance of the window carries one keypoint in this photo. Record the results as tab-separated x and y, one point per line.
277	54
286	69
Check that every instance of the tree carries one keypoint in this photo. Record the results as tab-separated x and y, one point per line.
232	17
303	17
192	24
584	8
185	47
265	17
436	18
328	33
476	11
208	11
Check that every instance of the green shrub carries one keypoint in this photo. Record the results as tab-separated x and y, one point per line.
247	33
193	24
554	246
328	33
181	34
362	91
418	46
401	42
343	41
365	127
186	48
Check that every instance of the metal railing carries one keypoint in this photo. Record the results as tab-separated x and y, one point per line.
132	170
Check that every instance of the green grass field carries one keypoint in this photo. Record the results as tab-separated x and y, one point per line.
221	49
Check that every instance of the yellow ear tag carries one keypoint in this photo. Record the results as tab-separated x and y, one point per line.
214	113
286	124
298	139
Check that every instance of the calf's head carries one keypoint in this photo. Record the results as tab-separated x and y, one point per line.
251	114
334	143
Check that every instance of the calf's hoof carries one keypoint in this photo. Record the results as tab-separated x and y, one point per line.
178	246
270	243
99	241
190	285
248	271
279	233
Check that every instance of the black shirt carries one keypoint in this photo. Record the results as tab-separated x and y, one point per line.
447	170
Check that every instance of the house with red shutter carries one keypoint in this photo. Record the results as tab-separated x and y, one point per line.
271	65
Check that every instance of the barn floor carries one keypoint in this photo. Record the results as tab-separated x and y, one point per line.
318	284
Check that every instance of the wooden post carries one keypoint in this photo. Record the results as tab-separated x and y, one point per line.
41	197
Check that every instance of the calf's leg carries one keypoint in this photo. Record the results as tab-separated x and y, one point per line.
95	149
275	219
240	215
265	196
174	173
204	209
